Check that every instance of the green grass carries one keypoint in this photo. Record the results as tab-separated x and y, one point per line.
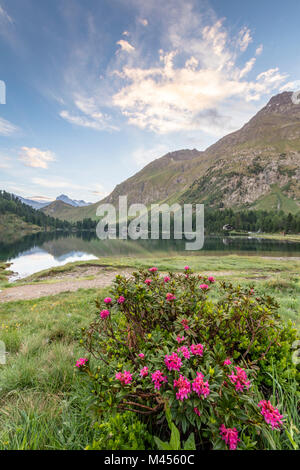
276	200
44	403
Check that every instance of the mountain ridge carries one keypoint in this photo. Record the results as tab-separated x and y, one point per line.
258	164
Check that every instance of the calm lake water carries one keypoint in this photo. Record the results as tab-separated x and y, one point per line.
45	250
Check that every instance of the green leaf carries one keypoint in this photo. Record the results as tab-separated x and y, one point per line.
162	445
175	438
190	443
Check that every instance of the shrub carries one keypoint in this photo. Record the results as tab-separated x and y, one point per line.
124	431
164	344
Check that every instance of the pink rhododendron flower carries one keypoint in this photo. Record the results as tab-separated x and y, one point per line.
167	278
185	352
173	361
204	286
211	279
271	414
144	372
107	300
124	377
197	349
200	387
227	362
186	268
152	270
230	436
180	339
158	378
240	379
104	313
121	299
197	411
148	281
184	388
142	355
184	322
170	296
81	362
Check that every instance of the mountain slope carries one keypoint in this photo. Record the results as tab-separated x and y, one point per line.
256	166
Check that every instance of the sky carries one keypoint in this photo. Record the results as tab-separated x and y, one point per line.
93	90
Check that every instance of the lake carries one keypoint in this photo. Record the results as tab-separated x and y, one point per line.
40	251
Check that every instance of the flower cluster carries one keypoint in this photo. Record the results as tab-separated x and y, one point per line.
197	349
148	281
271	414
144	372
124	377
230	436
167	278
173	361
204	286
121	299
201	387
107	300
185	351
158	378
184	388
170	296
180	339
104	313
240	379
153	270
81	362
227	362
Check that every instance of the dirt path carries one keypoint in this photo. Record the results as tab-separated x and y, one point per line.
34	291
74	280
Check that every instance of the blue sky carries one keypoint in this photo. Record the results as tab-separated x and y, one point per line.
97	89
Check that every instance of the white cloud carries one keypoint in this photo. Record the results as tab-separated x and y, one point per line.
143	21
36	158
196	79
7	128
5	15
259	50
91	116
244	39
125	45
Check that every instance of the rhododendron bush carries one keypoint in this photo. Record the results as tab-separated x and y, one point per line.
163	344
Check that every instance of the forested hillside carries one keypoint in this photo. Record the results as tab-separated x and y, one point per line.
10	204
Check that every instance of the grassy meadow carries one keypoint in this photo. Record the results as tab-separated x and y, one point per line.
45	403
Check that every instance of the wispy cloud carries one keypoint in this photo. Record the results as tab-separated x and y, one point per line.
125	45
4	15
36	158
7	128
195	80
91	116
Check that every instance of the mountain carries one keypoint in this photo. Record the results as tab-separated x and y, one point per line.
257	166
32	203
72	202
